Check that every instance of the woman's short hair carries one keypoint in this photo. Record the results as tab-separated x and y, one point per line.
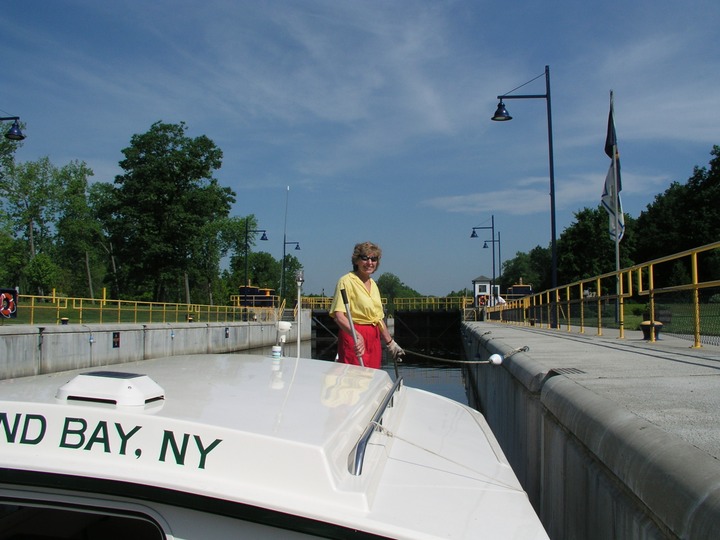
366	249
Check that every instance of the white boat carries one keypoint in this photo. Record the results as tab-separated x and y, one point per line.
248	446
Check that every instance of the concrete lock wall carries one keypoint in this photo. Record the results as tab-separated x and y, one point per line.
591	468
27	350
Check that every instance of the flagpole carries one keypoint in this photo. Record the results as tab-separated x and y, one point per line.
615	188
616	205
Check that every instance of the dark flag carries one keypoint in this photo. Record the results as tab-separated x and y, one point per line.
611	192
611	142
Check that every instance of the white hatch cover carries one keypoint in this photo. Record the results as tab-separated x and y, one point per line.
113	387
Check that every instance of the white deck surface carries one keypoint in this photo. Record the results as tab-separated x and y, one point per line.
277	433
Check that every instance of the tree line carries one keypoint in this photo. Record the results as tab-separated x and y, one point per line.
162	229
160	232
685	216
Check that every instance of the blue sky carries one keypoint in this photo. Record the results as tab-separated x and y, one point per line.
376	114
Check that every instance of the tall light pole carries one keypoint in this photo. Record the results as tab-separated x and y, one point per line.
299	280
485	246
474	234
499	256
247	251
282	270
502	115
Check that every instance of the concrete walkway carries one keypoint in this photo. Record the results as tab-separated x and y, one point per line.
667	382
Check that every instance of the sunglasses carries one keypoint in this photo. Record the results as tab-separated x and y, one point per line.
366	258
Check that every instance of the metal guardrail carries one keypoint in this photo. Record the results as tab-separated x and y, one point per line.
574	304
433	303
317	303
323	303
58	309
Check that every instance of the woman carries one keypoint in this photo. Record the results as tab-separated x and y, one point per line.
366	311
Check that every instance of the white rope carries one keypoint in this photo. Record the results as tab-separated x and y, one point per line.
448	360
487	479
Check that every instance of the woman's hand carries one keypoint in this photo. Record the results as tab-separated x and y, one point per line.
360	345
395	350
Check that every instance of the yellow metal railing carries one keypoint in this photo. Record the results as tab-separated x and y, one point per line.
432	303
322	303
317	303
57	309
573	304
254	300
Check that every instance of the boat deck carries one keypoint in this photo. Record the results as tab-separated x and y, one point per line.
279	434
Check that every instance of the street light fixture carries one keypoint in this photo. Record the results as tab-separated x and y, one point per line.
474	234
247	250
14	133
501	115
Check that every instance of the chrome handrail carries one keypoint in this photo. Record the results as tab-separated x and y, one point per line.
357	455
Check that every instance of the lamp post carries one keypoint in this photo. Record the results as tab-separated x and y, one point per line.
500	273
485	246
474	234
299	280
14	133
282	270
247	251
502	115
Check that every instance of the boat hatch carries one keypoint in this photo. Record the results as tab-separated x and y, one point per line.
112	387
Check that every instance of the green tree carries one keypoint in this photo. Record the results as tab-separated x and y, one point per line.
264	270
46	210
533	268
585	248
685	216
214	241
41	273
461	292
100	199
237	236
391	287
12	256
158	208
289	287
11	249
29	195
77	233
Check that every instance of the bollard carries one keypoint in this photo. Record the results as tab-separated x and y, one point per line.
647	327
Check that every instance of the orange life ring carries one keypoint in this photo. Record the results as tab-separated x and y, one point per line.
481	300
7	304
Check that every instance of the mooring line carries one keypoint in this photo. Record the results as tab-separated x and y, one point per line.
484	478
451	361
448	360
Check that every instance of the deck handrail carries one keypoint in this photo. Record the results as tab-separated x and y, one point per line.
357	454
